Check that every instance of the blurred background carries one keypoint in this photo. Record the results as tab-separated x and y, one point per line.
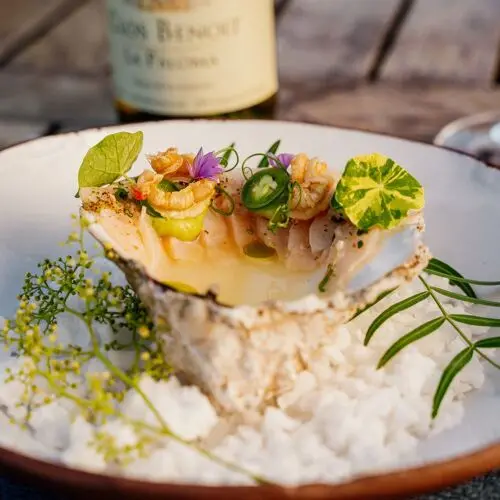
404	67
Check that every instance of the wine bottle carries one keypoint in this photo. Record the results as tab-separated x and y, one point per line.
193	58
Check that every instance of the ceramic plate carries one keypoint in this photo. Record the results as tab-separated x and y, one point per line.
462	217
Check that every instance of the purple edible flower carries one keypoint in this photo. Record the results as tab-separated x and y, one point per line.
205	166
284	160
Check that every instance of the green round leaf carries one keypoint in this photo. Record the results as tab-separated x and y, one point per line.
109	159
376	191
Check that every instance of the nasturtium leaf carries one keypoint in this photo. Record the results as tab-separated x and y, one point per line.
109	159
376	191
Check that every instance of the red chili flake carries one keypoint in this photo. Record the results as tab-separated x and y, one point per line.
137	195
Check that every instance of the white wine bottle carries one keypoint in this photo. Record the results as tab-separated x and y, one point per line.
193	58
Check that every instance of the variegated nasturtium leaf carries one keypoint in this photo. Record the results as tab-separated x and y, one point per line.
376	191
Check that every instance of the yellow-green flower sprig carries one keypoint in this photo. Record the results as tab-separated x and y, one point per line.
52	370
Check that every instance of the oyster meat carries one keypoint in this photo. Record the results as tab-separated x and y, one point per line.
247	278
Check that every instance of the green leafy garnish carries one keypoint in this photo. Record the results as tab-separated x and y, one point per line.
469	319
391	311
375	191
86	378
416	334
444	270
435	265
227	154
264	162
382	296
110	159
455	366
489	343
465	298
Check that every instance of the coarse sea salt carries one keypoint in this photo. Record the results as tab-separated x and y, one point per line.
342	417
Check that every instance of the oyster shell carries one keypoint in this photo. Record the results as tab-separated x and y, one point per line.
244	346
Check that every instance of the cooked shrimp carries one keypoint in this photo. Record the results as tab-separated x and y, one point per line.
316	186
171	162
147	181
191	201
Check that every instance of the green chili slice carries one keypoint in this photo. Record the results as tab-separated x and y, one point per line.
264	187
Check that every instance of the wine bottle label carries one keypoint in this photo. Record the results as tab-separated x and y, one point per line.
192	57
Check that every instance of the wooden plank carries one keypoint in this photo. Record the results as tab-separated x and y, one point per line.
325	42
22	20
78	44
56	98
411	112
447	41
18	19
14	131
279	6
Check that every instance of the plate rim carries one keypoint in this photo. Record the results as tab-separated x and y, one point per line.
421	142
397	483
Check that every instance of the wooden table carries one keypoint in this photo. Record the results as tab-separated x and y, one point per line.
405	67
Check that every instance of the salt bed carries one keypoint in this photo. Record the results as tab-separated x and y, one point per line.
341	419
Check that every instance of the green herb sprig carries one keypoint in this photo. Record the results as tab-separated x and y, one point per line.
439	268
53	370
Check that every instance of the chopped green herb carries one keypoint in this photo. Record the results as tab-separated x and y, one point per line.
272	150
150	210
360	244
121	194
326	279
227	154
168	186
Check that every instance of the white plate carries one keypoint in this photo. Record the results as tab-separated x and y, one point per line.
38	182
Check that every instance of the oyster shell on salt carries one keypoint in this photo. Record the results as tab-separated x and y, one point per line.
243	324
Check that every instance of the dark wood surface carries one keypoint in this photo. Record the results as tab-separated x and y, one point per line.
404	67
